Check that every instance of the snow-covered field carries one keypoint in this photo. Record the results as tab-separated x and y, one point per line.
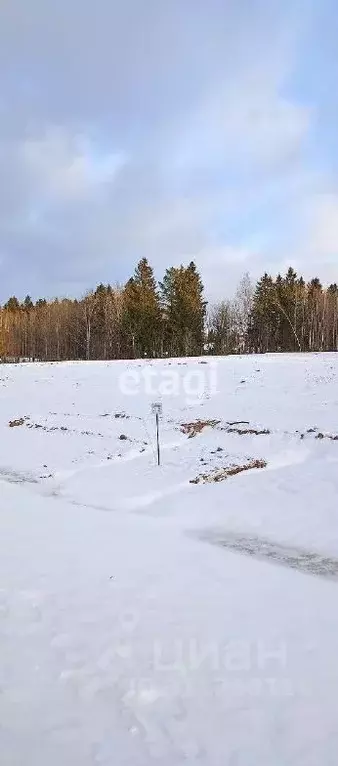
152	614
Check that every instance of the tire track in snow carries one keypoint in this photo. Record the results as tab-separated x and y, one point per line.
301	559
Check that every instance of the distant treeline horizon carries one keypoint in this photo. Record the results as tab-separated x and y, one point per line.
146	318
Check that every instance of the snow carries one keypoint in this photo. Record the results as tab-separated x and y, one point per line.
144	618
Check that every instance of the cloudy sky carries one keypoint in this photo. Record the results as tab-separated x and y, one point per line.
172	129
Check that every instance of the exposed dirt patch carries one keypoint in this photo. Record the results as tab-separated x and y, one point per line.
197	426
319	435
18	422
220	474
64	429
248	431
231	427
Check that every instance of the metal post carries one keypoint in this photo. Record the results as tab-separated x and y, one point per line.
158	439
156	409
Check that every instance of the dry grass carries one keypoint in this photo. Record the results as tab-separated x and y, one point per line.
233	427
248	431
197	426
220	474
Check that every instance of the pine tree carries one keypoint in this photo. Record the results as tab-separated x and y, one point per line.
195	312
183	310
28	303
314	314
12	304
142	307
284	314
168	305
287	303
264	317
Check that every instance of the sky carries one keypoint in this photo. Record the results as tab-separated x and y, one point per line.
177	130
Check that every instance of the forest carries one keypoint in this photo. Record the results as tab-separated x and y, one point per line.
146	318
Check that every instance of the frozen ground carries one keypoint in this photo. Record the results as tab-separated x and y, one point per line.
145	618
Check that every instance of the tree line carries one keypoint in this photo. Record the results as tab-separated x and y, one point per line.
144	318
282	314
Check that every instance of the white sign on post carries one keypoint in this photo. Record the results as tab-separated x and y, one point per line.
156	409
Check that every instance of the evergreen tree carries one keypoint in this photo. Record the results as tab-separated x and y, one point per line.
28	303
12	304
142	311
264	317
282	314
287	303
183	310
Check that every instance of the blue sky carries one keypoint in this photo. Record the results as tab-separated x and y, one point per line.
172	129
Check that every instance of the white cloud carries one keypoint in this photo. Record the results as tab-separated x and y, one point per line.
249	127
63	166
223	267
321	218
315	246
165	130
